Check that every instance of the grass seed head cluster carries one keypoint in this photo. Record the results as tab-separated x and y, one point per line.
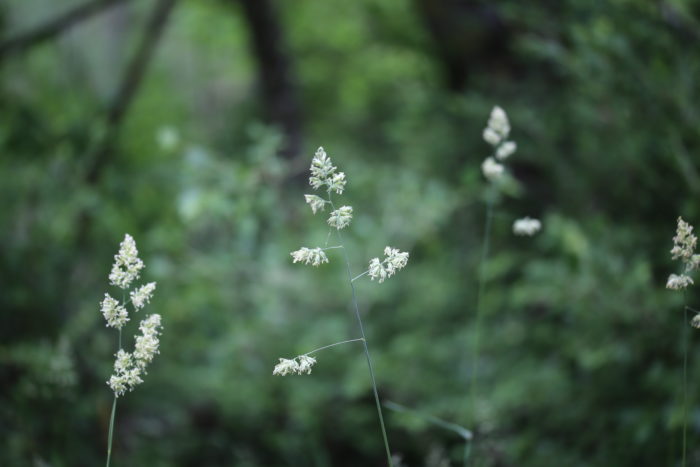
130	367
684	244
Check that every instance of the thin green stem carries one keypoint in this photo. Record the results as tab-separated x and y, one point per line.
366	347
360	275
486	243
460	430
465	434
111	418
467	451
685	379
333	345
111	430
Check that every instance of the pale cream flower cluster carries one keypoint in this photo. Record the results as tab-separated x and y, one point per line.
316	202
127	265
684	244
126	268
141	296
115	313
130	367
340	218
312	256
495	133
526	226
323	173
394	261
300	365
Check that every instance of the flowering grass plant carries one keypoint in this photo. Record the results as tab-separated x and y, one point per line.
684	244
324	175
129	367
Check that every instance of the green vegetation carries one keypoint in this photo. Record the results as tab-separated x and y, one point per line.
191	125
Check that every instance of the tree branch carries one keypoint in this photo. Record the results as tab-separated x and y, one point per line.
99	153
130	83
54	27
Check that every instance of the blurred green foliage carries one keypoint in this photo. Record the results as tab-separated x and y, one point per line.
582	360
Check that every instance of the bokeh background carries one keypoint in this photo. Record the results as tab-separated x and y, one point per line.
191	125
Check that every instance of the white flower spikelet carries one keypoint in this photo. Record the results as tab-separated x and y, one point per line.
377	270
130	367
496	134
305	364
300	365
337	183
498	122
123	361
141	296
316	202
340	218
394	261
505	150
323	172
127	264
321	168
286	367
312	256
695	322
491	136
678	282
684	244
498	127
115	314
126	375
526	226
492	170
147	343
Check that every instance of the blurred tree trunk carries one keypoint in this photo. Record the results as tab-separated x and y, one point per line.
467	34
278	86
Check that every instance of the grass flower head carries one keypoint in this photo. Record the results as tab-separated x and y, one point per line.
340	218
394	261
323	173
299	365
526	226
127	265
684	244
491	169
312	256
316	202
115	314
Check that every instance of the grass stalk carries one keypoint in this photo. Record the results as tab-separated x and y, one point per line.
465	434
111	431
685	381
333	345
365	346
478	317
111	418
